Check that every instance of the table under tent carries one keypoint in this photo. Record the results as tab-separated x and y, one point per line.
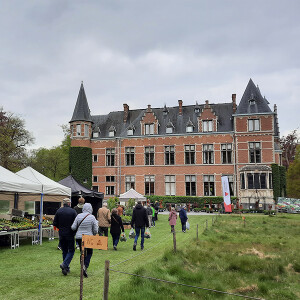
78	190
22	194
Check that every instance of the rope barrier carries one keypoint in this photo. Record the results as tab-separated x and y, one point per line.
187	285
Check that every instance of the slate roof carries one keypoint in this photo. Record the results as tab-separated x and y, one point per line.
81	111
260	103
104	122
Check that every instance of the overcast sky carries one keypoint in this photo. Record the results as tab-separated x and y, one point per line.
144	52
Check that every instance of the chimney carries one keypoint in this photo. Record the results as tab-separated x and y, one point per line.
206	104
149	108
180	107
126	112
233	103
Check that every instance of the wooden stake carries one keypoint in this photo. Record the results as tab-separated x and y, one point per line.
174	240
81	269
106	280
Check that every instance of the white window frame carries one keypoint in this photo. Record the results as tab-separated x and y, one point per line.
207	126
253	125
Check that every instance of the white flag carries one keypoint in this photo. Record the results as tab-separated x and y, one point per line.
226	191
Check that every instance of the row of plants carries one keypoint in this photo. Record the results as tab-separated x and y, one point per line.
19	223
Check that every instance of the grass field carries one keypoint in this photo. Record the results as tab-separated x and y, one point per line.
260	260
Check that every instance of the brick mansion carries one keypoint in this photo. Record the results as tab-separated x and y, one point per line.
183	150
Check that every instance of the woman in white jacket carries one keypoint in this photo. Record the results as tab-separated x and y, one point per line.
85	223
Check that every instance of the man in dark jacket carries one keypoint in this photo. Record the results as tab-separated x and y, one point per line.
140	220
183	218
63	220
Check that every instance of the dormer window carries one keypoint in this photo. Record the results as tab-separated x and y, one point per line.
252	100
189	126
130	130
197	108
112	131
149	129
170	127
96	132
165	111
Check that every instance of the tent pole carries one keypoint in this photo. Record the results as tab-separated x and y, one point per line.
41	219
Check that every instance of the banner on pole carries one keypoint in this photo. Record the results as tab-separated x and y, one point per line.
226	194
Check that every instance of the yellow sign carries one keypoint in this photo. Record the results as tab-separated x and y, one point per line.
95	241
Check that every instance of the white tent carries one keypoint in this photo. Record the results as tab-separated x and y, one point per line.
50	187
131	194
11	182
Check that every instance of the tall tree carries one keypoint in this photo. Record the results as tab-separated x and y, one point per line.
13	141
53	162
288	145
293	176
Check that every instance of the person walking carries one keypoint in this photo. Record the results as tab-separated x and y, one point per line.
149	213
116	227
139	221
85	223
79	206
63	220
183	218
104	220
156	207
120	210
172	218
78	209
153	215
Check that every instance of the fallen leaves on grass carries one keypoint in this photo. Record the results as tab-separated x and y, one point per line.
246	289
260	255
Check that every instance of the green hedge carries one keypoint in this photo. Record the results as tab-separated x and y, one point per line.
276	181
187	199
81	165
282	171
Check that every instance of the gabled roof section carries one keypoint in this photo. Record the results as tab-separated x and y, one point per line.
252	101
82	110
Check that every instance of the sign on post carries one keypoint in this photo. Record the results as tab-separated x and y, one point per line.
92	242
95	241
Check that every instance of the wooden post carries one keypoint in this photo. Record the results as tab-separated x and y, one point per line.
81	269
174	240
197	232
106	280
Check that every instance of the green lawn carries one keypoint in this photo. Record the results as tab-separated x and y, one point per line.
260	260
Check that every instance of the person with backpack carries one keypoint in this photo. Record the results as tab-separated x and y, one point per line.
139	221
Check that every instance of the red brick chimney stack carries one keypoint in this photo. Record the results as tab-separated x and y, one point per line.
180	107
234	103
126	112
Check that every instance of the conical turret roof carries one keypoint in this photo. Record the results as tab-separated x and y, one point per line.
82	110
252	101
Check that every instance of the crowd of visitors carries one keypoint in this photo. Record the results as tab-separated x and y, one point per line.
80	220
